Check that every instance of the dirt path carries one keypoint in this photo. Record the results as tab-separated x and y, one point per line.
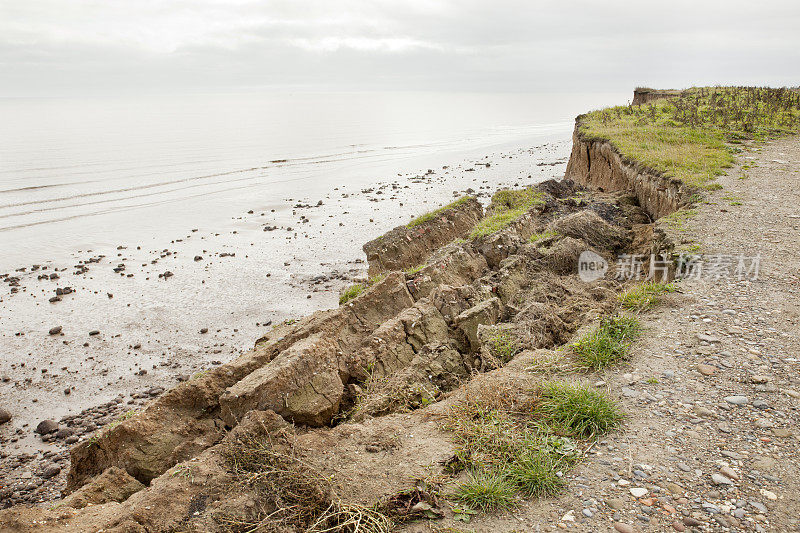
721	339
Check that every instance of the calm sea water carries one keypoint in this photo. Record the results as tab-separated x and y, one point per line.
82	173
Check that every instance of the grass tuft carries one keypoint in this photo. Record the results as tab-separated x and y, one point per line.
608	343
578	410
645	296
536	474
487	491
542	236
351	292
437	212
507	206
504	345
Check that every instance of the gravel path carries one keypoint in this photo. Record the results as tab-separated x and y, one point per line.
713	391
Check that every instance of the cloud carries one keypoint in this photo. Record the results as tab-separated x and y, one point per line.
54	47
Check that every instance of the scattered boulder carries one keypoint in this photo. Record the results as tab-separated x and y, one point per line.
5	416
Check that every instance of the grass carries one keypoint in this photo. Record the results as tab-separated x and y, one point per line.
437	212
413	270
351	292
507	206
487	491
608	343
645	295
288	494
515	443
578	410
687	137
504	345
356	289
541	236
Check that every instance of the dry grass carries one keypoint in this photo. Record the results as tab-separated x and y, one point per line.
289	494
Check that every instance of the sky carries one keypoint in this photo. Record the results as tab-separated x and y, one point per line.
66	47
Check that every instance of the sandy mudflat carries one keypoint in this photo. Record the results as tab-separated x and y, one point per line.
128	331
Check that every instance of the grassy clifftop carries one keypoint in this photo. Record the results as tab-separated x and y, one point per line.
689	135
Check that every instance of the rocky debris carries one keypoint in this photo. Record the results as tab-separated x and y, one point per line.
5	416
407	342
55	330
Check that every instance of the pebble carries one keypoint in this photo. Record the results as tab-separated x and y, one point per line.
737	400
46	426
623	528
639	492
56	330
615	503
768	494
5	416
719	479
706	370
729	472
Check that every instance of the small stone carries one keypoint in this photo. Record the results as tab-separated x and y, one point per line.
5	416
729	472
51	471
691	522
639	492
55	331
623	528
677	526
46	426
587	513
737	400
781	432
768	494
94	332
706	370
203	331
615	503
759	379
707	338
719	479
674	488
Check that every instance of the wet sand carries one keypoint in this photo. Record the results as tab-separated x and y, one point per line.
136	318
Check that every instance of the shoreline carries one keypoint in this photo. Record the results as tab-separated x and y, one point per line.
211	309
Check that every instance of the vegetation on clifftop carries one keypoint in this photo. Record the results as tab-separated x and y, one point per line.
436	212
506	207
686	136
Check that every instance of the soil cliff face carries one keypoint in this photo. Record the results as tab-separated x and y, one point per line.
599	165
407	246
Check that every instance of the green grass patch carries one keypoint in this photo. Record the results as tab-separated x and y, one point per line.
541	236
351	292
507	206
504	345
487	491
437	212
355	290
607	344
645	295
516	443
578	410
685	136
413	270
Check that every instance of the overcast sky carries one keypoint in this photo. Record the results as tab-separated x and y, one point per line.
60	47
